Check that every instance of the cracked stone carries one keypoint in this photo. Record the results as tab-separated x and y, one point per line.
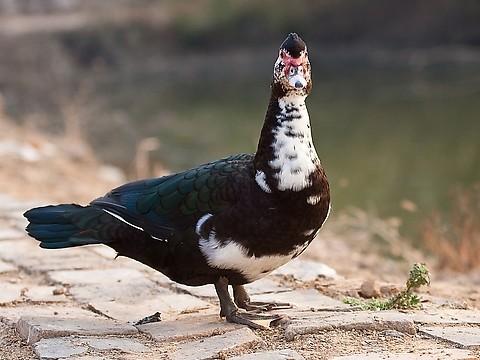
362	320
49	349
35	328
451	354
196	326
126	294
271	355
463	336
447	316
123	344
11	315
303	299
168	303
306	270
209	348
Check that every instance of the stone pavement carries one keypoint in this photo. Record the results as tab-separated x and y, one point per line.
81	304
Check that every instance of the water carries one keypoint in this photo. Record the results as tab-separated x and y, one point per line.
385	133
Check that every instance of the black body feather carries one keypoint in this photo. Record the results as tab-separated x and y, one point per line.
155	221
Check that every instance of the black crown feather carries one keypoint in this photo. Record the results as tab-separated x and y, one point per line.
293	45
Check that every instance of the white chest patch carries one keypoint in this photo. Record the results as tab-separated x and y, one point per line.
295	155
234	256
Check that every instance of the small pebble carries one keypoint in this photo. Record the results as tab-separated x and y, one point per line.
369	289
58	291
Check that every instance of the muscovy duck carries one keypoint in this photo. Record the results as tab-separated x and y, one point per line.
228	222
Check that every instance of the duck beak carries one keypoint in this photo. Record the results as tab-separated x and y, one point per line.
296	78
295	70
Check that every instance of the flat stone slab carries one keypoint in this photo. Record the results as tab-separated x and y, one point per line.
204	291
66	347
50	349
126	294
359	320
105	284
10	292
111	254
450	354
464	336
447	316
6	267
306	270
194	326
35	328
303	299
12	314
209	348
44	294
169	305
11	234
103	250
271	355
111	343
28	254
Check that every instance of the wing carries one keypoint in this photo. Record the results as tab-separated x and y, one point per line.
171	204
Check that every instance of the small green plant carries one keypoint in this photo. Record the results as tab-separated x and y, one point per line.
406	299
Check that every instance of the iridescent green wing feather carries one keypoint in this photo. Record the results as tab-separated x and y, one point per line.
175	203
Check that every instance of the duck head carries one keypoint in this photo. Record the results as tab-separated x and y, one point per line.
291	73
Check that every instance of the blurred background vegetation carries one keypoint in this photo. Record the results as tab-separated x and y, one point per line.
395	108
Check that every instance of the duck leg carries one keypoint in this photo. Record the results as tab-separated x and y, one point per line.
229	310
243	301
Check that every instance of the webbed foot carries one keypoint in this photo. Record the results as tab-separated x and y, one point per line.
253	320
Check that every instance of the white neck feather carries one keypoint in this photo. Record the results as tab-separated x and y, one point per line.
295	156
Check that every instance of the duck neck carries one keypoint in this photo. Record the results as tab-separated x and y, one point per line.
286	157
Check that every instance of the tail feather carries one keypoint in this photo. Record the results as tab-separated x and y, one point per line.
65	225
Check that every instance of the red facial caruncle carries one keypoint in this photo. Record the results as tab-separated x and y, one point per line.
290	61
